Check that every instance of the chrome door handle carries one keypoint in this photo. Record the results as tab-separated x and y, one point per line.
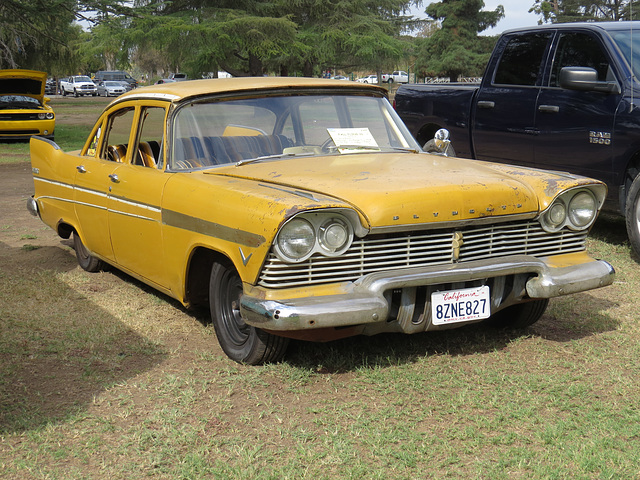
549	108
114	178
81	169
486	104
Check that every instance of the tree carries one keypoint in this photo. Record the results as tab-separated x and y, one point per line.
557	11
38	33
456	49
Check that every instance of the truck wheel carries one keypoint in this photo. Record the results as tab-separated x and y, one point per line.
75	92
519	316
240	341
64	92
632	215
390	80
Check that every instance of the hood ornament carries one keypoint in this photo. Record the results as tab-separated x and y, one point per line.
457	242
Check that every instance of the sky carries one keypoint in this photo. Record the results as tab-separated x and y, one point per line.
516	14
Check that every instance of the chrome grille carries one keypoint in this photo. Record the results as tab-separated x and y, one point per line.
376	253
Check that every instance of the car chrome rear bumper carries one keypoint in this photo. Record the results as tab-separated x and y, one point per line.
368	299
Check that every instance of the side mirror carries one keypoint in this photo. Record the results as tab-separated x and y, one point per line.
585	79
440	144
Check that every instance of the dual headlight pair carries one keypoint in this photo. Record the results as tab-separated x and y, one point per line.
327	233
576	209
47	115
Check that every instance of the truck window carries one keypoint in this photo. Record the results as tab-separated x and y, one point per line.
579	50
521	59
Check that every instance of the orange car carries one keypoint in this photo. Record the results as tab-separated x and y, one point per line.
303	208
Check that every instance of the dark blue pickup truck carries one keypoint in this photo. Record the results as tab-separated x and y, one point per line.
561	97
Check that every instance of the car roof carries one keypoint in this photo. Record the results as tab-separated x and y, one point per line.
606	26
176	91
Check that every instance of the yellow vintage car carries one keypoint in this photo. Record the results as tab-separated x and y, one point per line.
303	208
24	110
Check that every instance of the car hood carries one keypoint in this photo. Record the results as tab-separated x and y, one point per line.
405	189
23	82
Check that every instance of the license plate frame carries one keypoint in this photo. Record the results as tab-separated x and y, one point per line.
462	305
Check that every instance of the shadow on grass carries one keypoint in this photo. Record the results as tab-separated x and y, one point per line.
58	350
611	229
395	349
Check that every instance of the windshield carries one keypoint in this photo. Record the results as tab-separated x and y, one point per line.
83	79
628	42
18	101
241	130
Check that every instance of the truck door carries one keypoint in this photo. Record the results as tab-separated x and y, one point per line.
504	112
575	128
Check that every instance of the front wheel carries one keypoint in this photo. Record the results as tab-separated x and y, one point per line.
521	315
87	261
632	215
240	341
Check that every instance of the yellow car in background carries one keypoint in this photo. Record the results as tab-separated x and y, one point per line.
24	110
303	208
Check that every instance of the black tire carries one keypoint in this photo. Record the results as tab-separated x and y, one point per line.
64	92
519	316
632	215
75	92
87	261
241	342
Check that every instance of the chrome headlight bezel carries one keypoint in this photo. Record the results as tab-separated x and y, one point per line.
575	209
333	234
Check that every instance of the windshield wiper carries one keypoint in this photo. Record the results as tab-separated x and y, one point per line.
271	157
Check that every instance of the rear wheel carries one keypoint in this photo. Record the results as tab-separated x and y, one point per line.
632	215
240	341
85	259
521	315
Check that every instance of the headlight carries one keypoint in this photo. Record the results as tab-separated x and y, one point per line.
296	239
42	116
49	115
327	232
575	209
334	235
557	214
582	209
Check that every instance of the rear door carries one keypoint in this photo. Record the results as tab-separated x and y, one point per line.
504	112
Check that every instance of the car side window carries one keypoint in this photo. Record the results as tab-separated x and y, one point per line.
577	49
117	135
149	153
522	59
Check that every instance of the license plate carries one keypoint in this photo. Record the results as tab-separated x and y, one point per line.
460	305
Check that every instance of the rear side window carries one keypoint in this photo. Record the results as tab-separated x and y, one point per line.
521	60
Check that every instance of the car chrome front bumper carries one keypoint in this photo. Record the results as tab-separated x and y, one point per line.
367	300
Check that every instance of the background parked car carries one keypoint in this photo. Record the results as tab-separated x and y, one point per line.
110	89
116	75
78	85
369	79
24	110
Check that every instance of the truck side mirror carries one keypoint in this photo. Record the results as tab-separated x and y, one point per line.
585	79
